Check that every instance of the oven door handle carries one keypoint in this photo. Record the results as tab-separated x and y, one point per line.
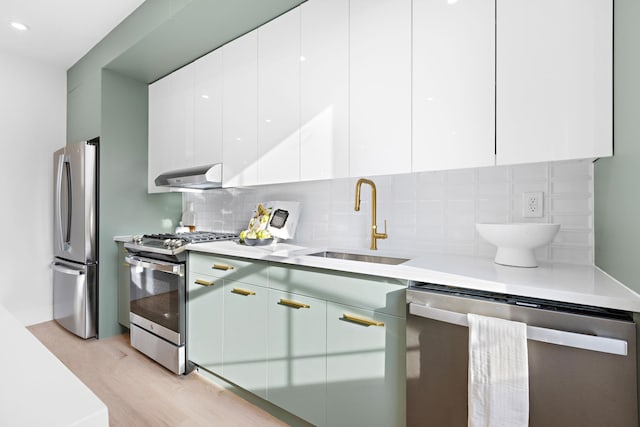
551	336
176	269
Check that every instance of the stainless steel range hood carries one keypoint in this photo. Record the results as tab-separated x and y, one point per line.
197	178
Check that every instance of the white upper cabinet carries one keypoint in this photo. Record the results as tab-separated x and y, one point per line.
208	109
279	99
380	87
453	84
240	112
171	122
324	89
185	118
554	80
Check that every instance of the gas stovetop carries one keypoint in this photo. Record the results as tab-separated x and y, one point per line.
174	243
195	237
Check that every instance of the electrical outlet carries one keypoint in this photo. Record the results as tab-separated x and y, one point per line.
533	204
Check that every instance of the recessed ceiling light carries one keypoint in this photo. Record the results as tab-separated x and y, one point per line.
19	25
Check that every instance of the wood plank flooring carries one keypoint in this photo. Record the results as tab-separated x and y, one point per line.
138	392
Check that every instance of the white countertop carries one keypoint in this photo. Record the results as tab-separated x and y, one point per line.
579	284
37	389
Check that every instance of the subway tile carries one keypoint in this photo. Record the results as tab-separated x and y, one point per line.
530	172
427	211
570	206
577	168
571	186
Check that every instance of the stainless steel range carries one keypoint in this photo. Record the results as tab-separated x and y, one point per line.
157	305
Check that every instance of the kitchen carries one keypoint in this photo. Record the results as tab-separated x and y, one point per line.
104	100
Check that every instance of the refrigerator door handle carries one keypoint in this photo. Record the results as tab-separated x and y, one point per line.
62	269
67	170
58	202
65	236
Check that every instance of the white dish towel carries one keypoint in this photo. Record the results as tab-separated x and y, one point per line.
498	373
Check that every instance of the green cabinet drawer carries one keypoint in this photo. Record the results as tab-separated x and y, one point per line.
365	368
229	268
383	295
245	336
296	362
204	321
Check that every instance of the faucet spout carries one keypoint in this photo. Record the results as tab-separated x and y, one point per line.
374	228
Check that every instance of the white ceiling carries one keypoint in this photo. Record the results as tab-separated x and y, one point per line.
61	31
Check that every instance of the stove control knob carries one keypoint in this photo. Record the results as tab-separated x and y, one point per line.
167	243
137	239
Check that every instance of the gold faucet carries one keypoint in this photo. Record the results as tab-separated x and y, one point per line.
374	228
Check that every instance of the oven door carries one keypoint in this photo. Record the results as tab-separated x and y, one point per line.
157	301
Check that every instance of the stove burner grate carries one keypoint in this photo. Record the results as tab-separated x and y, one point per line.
194	237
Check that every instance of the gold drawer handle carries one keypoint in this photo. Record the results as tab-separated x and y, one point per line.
293	304
203	282
224	267
242	292
361	320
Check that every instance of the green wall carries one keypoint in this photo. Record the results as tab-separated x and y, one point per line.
84	78
616	198
617	201
107	97
125	206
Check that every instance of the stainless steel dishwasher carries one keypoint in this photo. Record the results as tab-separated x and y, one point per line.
582	359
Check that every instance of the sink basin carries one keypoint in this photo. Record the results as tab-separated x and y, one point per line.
377	259
516	242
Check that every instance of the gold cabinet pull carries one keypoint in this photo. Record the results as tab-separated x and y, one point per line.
224	267
361	320
203	282
293	304
244	292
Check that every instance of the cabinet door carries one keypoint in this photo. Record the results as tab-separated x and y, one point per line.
324	89
380	87
279	99
240	111
208	109
365	368
123	286
205	304
170	124
245	336
554	80
296	366
453	84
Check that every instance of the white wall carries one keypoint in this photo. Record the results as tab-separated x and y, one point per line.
425	212
32	126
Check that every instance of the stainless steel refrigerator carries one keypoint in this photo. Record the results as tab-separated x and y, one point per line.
75	237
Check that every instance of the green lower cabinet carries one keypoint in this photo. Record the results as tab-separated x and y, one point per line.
124	290
326	347
296	363
204	321
365	367
244	345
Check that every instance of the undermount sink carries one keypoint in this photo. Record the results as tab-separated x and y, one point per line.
377	259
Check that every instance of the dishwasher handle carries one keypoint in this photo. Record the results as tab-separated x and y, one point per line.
551	336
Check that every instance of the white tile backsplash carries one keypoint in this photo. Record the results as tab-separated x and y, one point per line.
425	212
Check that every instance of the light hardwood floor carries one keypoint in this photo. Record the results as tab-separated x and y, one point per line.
138	392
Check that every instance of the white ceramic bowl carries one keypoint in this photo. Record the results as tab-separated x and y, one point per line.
516	242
